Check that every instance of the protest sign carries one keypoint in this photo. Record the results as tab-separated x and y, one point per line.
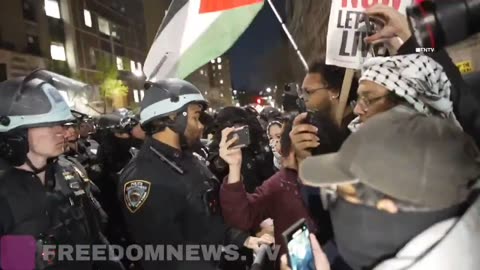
345	46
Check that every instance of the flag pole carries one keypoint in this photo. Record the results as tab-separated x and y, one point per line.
292	41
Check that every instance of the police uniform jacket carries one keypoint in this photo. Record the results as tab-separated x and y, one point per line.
170	198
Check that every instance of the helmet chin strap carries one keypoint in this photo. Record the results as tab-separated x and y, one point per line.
35	169
179	125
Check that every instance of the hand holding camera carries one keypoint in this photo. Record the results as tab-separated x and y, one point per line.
233	140
304	137
392	28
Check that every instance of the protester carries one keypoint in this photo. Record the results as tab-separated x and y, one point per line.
274	132
465	106
407	199
414	81
269	114
258	165
320	91
277	198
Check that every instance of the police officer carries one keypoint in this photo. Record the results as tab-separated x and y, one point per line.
42	196
169	196
80	146
117	143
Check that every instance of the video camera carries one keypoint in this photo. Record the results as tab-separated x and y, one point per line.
439	23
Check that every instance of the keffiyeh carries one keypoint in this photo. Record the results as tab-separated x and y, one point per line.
417	78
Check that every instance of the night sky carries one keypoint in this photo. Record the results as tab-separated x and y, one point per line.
264	33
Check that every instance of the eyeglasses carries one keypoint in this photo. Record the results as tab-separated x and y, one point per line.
308	92
365	102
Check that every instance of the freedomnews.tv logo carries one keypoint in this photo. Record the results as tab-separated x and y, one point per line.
21	252
425	50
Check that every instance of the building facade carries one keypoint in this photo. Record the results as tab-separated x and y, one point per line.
76	38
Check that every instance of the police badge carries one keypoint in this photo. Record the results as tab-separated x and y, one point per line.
135	193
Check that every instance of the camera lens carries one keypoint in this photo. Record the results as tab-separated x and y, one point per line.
439	23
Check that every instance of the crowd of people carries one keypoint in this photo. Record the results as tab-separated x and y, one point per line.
393	185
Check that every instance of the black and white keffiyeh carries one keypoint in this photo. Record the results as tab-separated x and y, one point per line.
417	78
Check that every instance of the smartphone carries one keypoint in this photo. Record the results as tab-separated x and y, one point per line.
302	108
243	134
297	241
369	30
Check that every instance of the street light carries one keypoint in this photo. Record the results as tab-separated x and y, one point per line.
269	90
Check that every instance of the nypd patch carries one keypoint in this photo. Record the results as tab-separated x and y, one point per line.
135	193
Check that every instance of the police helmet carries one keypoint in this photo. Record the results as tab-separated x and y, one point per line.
25	103
121	120
167	97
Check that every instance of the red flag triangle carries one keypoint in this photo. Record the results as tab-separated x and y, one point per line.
220	5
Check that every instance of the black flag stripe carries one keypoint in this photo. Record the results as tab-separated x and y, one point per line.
174	8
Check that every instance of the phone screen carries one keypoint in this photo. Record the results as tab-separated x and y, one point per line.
299	248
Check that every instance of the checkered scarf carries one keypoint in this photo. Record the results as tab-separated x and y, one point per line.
417	78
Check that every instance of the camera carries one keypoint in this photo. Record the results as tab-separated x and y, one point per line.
440	23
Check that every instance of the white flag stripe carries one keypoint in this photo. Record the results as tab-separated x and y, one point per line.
167	44
196	24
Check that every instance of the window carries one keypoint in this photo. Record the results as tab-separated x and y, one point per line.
221	81
219	60
132	66
93	59
57	51
221	95
119	63
87	18
213	61
52	9
29	10
115	31
33	46
201	72
136	96
219	67
103	26
142	93
136	69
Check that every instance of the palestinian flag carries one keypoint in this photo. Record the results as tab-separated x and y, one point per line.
195	32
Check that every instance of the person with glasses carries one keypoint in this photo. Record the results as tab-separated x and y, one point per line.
466	104
320	92
404	82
